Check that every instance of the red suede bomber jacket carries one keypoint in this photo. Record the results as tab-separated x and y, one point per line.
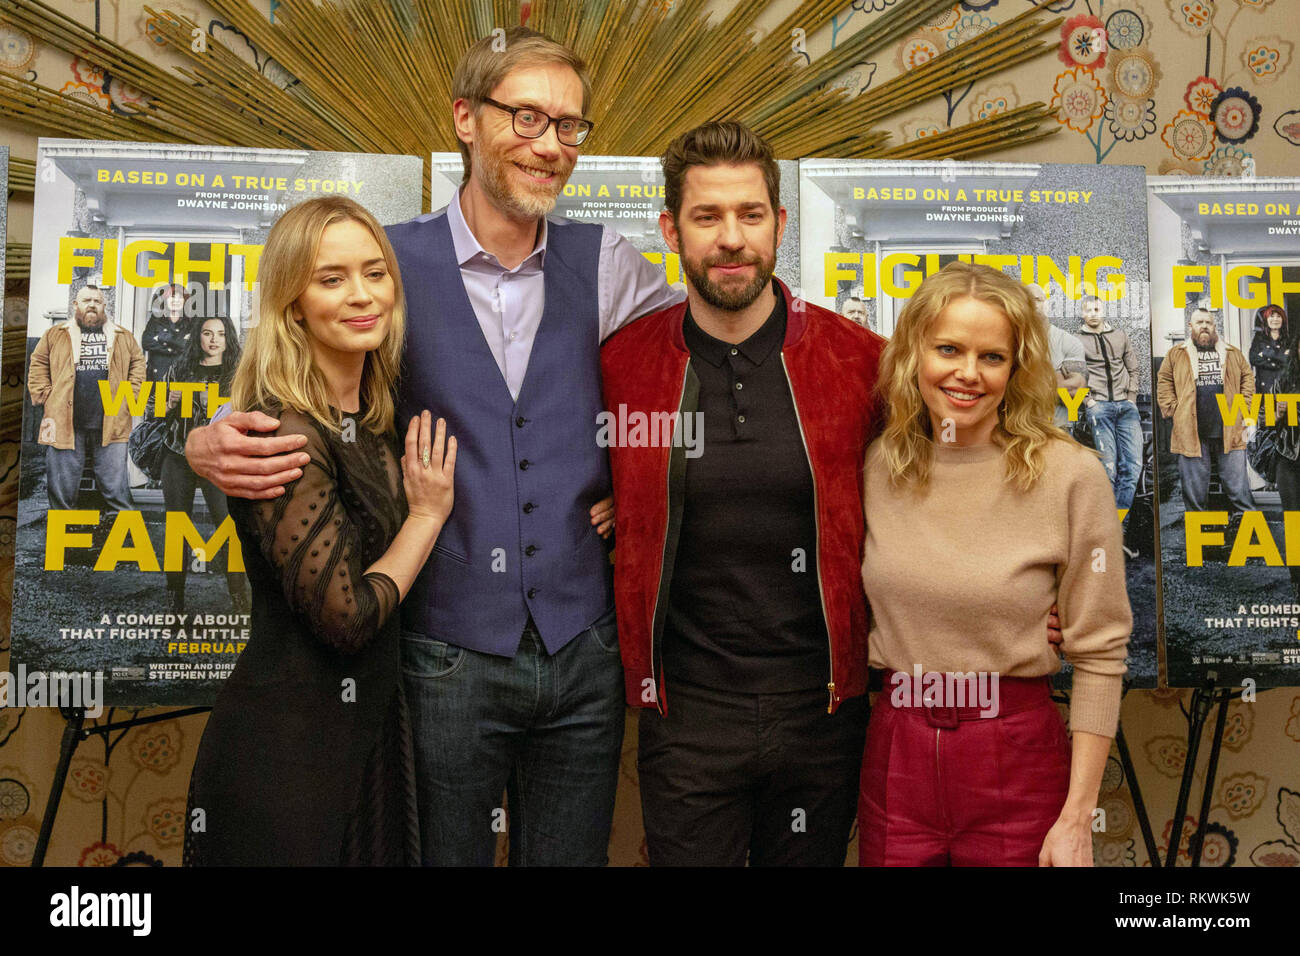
830	364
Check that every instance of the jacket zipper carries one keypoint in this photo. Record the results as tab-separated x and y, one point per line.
821	594
1105	357
656	666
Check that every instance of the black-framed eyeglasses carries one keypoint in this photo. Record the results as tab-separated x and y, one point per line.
533	124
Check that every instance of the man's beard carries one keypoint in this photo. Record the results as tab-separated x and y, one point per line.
729	299
517	202
1209	343
89	322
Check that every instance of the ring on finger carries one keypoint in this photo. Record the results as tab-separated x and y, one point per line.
425	457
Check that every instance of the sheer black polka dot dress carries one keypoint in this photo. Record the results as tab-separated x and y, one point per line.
307	757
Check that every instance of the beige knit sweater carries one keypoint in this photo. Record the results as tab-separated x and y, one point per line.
962	576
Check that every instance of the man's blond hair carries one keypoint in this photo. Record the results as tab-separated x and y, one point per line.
484	66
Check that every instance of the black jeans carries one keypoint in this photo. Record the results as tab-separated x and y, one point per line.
1288	488
178	485
769	776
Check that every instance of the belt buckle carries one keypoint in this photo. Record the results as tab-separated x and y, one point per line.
942	717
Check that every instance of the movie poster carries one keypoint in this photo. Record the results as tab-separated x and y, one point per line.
144	274
871	231
626	193
1225	262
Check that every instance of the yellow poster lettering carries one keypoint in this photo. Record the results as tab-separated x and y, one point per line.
1196	530
1254	540
58	539
187	391
112	398
75	253
1112	290
214	267
1072	401
158	267
912	278
181	530
128	541
831	268
1280	288
215	399
1240	409
252	256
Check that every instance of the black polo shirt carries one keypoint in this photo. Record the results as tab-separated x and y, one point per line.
744	610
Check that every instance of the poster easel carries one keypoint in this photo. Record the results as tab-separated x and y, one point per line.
74	732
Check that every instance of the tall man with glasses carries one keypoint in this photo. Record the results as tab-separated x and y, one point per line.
509	642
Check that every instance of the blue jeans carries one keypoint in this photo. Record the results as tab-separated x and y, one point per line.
63	468
545	729
1117	433
1195	473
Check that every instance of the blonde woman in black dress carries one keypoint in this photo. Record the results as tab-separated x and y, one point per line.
306	758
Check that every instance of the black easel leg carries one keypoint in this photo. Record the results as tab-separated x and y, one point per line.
73	717
1216	745
1139	807
1202	698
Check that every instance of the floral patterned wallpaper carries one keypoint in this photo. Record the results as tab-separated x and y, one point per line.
1189	86
1198	87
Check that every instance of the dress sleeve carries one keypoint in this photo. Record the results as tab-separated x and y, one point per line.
315	548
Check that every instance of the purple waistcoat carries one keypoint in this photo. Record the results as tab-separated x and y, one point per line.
519	539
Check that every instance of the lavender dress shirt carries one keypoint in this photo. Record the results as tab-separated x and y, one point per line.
508	302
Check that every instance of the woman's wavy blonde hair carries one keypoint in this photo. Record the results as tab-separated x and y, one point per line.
1025	417
277	367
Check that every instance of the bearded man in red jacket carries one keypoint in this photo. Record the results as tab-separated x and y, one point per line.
738	423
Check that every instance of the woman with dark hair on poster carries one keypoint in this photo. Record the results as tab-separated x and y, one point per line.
1286	440
307	757
1268	351
167	333
210	357
1268	347
981	514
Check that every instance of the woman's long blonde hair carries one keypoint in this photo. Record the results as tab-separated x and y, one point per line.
1025	423
277	367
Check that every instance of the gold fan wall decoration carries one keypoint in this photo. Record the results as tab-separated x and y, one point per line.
375	75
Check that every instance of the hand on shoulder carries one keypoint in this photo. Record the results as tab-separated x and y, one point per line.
251	454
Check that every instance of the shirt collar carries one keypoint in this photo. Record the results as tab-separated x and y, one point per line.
756	348
468	249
